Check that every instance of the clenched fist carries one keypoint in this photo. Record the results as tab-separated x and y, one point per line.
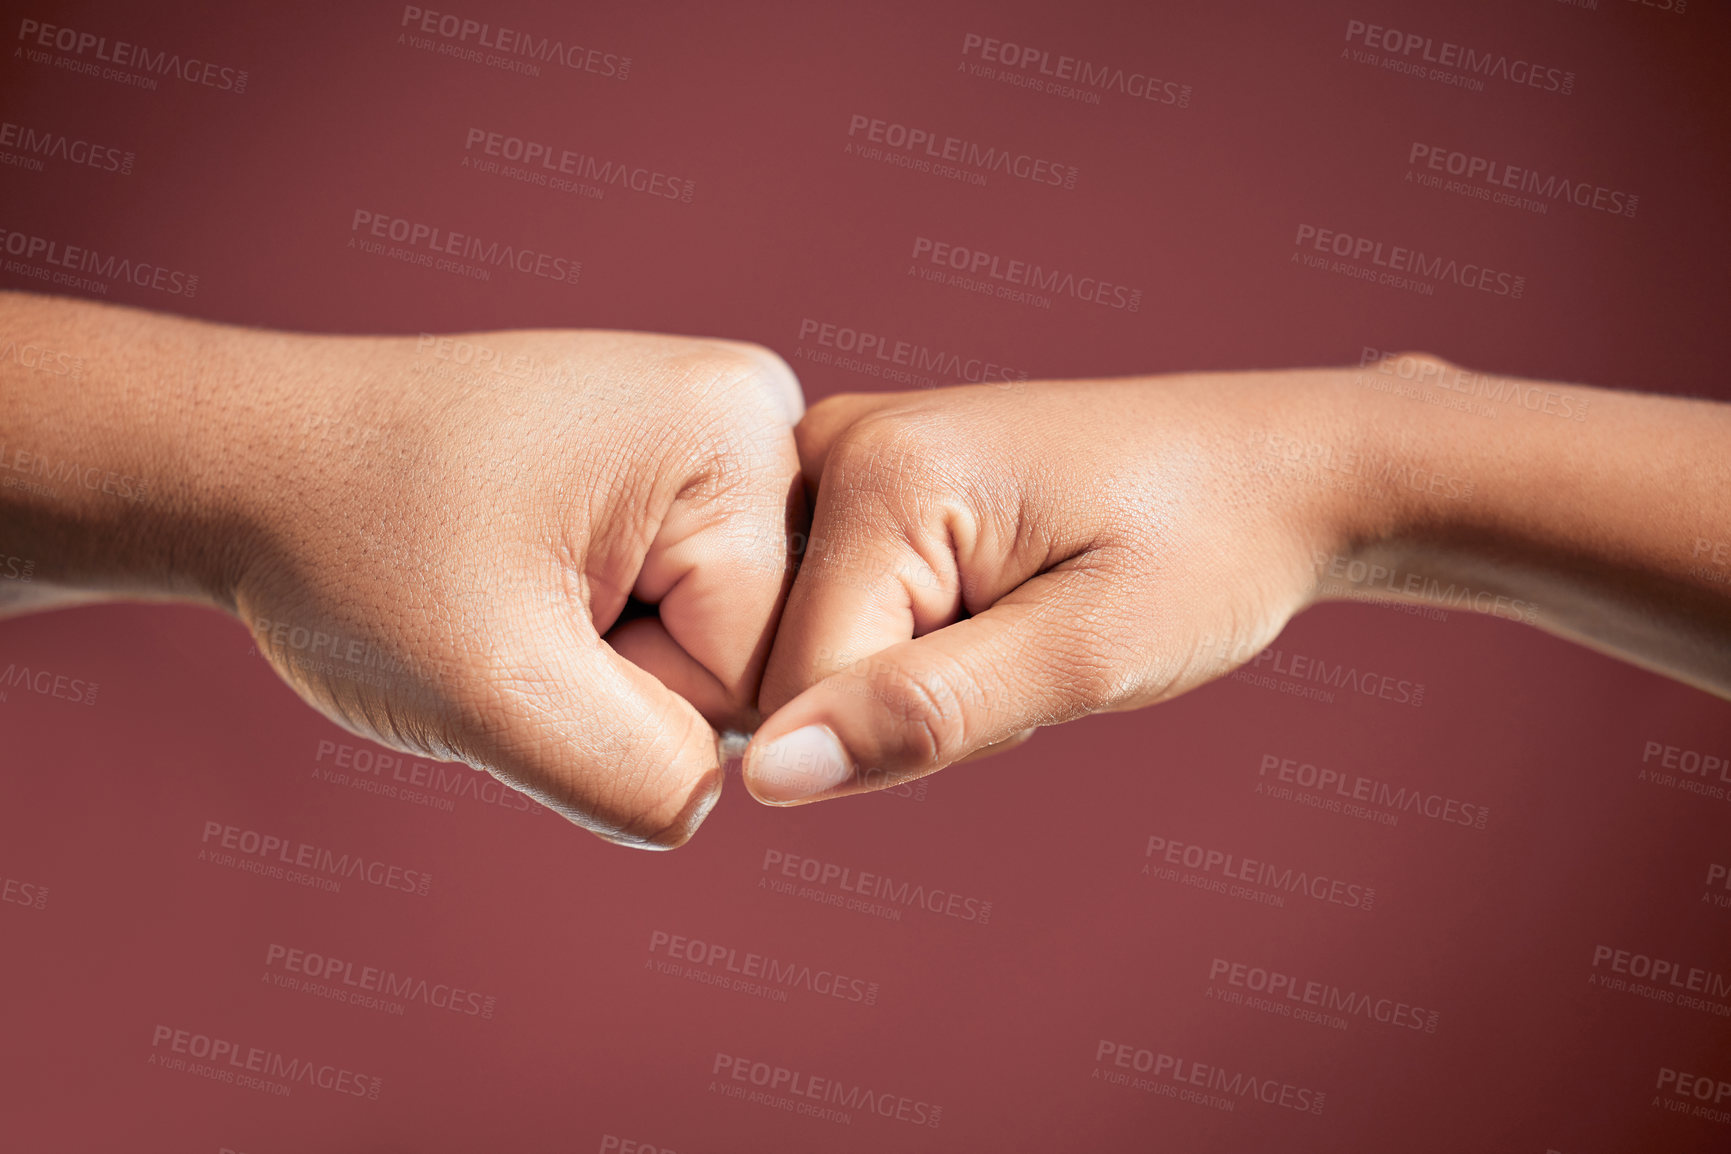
557	556
562	556
985	560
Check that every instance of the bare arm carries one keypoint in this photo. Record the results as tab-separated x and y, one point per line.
1606	514
432	539
988	560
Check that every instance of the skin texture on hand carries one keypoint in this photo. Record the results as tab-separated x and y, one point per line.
451	544
437	548
491	564
983	561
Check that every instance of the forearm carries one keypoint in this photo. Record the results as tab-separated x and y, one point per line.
139	452
1598	515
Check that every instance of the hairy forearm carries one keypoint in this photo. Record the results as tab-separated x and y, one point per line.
1601	516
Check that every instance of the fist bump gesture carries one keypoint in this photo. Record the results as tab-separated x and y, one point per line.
563	556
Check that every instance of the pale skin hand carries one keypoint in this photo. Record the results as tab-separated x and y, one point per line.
434	554
985	560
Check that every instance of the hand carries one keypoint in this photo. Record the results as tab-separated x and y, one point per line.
557	556
983	561
442	559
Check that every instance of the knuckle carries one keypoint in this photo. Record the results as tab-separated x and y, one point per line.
1085	680
928	707
737	367
884	453
741	363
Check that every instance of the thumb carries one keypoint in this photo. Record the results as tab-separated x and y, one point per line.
912	708
598	739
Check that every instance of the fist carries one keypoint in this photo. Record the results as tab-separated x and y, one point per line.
556	556
985	561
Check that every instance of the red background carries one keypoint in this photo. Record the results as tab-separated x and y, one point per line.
1000	1023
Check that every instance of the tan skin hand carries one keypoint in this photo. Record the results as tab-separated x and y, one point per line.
661	475
982	562
452	552
437	555
985	560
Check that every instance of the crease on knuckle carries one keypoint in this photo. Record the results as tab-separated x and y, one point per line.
933	724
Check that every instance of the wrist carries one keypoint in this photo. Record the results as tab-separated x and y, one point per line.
289	428
213	439
1356	470
1426	473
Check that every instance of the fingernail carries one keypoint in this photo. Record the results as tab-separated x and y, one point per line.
798	767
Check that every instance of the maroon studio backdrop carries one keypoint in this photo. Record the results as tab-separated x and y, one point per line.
1414	880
